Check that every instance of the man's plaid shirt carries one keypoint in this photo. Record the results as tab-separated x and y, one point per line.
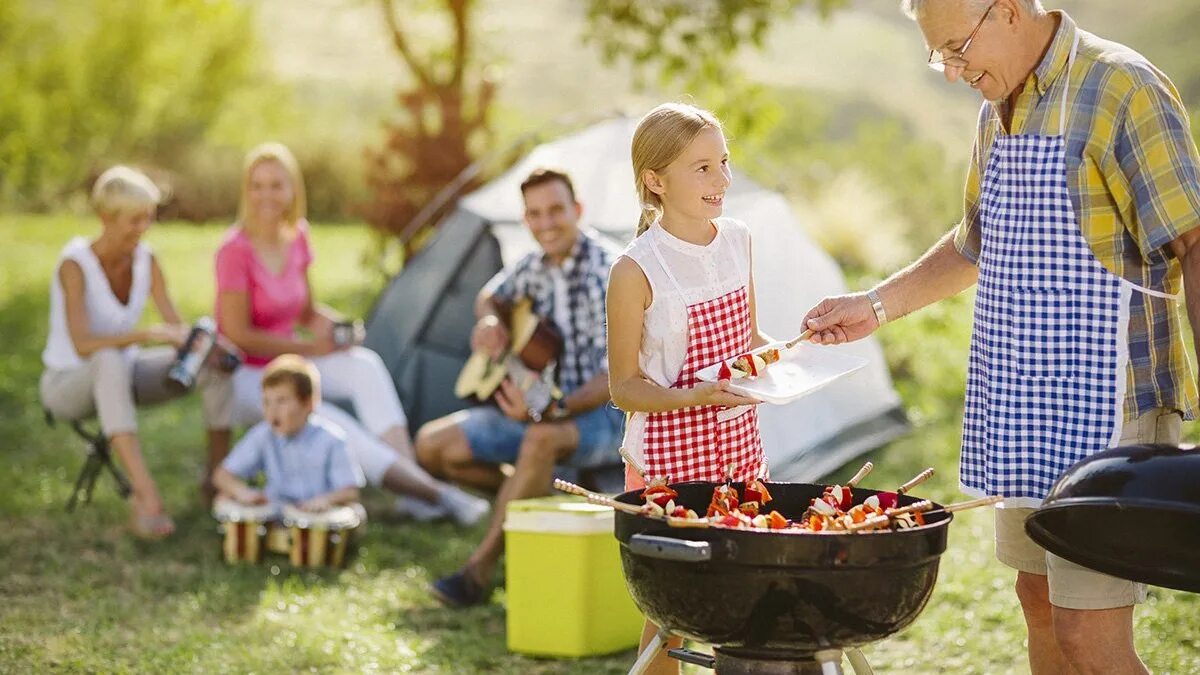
585	350
1133	173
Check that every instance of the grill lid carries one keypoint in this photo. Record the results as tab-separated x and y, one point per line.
1132	512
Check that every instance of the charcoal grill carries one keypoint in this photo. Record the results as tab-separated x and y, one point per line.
772	602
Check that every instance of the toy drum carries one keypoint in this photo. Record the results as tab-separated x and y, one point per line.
244	528
320	539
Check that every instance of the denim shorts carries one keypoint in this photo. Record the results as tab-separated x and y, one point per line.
495	438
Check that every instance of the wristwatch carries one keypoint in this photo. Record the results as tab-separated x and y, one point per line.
877	306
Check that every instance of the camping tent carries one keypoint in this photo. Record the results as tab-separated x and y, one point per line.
422	321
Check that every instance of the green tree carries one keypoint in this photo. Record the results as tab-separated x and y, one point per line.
443	120
691	45
87	83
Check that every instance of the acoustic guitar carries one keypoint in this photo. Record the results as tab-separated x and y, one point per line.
533	349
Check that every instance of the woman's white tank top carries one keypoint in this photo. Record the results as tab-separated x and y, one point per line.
106	314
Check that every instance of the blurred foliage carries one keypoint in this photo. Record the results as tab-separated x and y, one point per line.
443	120
87	83
691	44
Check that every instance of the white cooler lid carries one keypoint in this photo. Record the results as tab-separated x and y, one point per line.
558	515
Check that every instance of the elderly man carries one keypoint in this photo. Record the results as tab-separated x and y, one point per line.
566	282
1081	206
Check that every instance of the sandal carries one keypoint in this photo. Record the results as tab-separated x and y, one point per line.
151	527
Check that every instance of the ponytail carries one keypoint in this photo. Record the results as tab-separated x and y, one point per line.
651	209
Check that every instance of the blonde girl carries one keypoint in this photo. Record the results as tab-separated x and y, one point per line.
680	298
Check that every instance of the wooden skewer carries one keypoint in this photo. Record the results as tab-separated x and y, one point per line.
605	500
869	523
916	480
632	462
974	503
862	473
923	505
798	339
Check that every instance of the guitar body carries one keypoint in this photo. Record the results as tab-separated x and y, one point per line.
534	346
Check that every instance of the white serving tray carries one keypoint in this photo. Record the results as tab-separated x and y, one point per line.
801	370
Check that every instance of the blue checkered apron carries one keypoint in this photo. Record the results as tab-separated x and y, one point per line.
1047	367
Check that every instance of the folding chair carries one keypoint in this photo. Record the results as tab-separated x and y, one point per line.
98	459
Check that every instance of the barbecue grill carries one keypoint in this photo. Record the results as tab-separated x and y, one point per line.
777	602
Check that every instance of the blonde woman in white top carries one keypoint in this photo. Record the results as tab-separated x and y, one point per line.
92	358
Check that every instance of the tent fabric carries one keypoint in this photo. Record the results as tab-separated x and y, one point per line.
421	323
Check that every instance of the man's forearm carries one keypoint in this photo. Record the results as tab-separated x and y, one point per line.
939	274
591	395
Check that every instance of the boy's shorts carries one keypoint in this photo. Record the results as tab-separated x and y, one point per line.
1073	586
495	438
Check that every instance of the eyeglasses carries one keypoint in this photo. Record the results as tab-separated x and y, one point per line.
939	60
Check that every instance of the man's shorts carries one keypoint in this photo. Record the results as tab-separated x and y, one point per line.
495	438
1073	586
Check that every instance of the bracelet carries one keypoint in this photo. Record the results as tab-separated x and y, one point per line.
877	306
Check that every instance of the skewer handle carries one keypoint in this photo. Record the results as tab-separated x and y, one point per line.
862	473
916	480
594	497
974	503
870	524
798	339
923	505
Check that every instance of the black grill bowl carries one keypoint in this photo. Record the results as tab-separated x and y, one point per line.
773	591
1132	512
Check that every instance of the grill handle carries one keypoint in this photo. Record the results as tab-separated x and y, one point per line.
695	658
669	548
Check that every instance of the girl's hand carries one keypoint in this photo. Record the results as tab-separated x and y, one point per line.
718	393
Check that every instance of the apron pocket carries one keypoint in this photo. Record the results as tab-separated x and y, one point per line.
1045	338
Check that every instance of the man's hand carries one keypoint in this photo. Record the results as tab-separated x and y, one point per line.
511	400
250	496
842	318
489	336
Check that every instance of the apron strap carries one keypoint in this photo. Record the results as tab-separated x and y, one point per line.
1176	297
662	261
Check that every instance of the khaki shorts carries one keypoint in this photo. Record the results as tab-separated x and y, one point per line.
1072	586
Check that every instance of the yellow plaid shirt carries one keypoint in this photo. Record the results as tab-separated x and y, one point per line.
1133	174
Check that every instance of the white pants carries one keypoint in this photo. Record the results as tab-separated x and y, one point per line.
111	385
356	375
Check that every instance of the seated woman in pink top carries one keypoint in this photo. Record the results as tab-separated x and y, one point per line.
263	296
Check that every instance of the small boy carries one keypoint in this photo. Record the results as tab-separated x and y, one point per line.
303	456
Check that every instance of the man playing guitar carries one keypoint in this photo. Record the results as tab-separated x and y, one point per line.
565	282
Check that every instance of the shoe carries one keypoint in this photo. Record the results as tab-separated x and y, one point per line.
465	508
459	590
419	510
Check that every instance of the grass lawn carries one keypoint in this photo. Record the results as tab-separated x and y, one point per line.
79	595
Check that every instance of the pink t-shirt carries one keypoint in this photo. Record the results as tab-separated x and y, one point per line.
276	301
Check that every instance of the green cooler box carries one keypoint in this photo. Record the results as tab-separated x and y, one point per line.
566	594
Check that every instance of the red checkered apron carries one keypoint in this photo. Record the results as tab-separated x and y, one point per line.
692	443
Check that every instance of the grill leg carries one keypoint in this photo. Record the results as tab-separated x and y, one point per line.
858	662
652	650
830	660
